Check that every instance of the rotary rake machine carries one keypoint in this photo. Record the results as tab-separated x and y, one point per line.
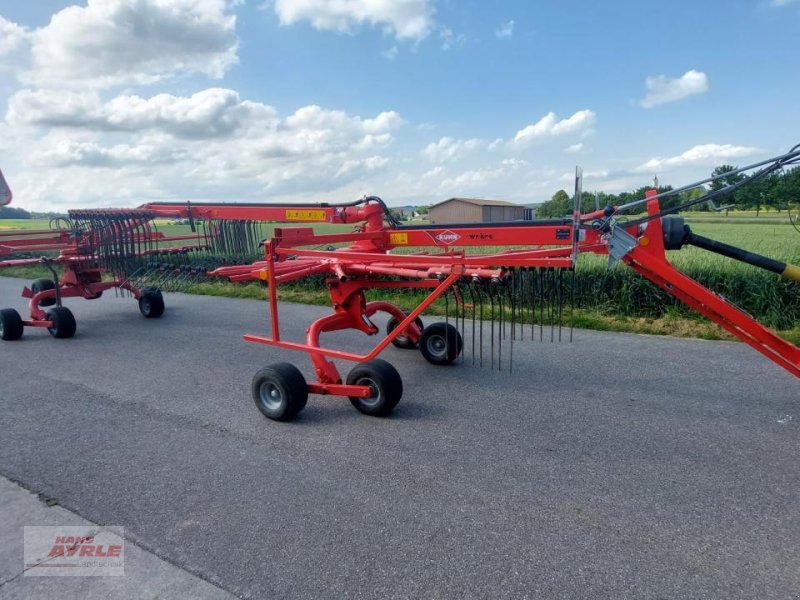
99	250
511	281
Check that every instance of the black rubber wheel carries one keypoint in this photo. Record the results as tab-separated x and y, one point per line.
63	322
41	285
151	304
402	341
11	326
280	391
386	384
440	343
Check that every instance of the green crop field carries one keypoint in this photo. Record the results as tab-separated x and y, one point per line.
616	299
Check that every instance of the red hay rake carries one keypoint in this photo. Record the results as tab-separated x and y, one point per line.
526	283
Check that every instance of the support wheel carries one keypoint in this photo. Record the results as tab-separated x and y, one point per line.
41	285
402	341
151	303
11	326
280	391
63	322
386	385
440	343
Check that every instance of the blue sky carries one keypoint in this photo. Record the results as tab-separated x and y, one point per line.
116	102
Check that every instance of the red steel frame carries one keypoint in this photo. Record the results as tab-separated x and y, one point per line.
363	264
360	266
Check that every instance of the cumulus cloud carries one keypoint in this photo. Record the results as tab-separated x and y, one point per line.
703	154
91	154
405	19
131	42
212	144
448	149
574	148
506	30
662	89
474	181
12	36
209	113
550	126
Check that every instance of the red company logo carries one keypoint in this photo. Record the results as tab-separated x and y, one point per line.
74	550
447	237
83	546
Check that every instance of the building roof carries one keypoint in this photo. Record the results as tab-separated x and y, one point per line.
479	202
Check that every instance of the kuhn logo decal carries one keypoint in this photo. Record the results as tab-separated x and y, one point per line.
447	237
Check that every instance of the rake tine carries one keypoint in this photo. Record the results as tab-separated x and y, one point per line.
550	308
560	301
491	336
541	304
480	345
572	304
471	287
511	295
463	314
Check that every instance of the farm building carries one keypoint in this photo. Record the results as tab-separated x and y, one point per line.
477	210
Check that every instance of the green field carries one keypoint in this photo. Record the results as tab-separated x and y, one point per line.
616	299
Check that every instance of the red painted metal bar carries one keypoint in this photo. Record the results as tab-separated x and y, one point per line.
438	291
718	310
339	389
273	292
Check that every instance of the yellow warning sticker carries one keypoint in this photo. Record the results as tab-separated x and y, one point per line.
398	238
305	215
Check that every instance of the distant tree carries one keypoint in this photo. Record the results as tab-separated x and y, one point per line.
729	178
694	194
558	206
9	212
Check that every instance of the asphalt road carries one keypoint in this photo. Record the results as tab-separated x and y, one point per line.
619	466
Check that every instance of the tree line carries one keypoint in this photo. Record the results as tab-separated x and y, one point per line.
778	191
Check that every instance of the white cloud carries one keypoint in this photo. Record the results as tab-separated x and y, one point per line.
662	89
474	181
549	126
448	149
211	112
703	154
450	39
574	148
12	36
405	19
130	42
506	30
211	144
89	153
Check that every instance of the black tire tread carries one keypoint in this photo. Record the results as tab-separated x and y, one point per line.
12	324
64	325
155	300
294	387
405	343
449	333
40	285
384	375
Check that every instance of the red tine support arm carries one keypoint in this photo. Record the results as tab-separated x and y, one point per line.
648	258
